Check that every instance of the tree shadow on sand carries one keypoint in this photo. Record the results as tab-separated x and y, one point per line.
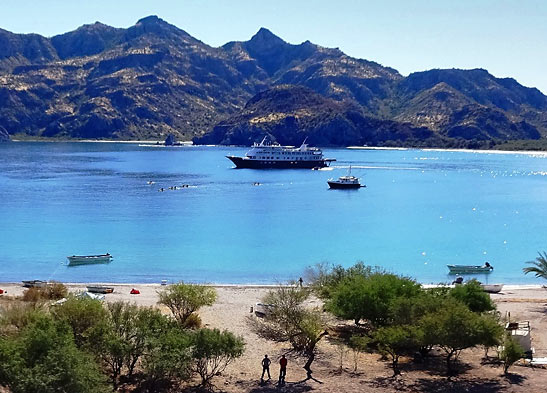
458	385
293	387
515	379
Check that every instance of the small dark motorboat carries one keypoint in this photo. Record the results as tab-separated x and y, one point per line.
345	182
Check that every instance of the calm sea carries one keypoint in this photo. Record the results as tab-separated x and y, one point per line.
421	210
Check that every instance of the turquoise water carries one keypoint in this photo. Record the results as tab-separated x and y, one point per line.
421	210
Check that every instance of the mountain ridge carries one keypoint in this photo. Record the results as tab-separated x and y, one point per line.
154	78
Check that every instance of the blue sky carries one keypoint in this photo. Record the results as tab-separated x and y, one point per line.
508	38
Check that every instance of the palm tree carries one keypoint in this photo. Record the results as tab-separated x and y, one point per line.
540	266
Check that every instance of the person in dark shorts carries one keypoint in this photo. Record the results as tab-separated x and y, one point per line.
266	367
282	369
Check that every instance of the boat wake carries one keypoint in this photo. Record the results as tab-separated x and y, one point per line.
376	167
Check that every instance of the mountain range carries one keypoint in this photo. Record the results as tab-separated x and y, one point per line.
153	79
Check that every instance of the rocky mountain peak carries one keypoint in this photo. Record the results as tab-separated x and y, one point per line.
151	20
265	37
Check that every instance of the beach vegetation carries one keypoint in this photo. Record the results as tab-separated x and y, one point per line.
370	298
539	266
473	296
16	316
122	337
183	300
511	352
167	359
358	345
43	357
213	351
453	328
52	291
85	316
323	278
290	320
393	341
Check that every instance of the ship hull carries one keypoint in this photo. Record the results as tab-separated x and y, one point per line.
241	162
342	186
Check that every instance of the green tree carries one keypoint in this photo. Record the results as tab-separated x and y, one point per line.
185	299
214	351
358	344
370	298
44	358
167	358
539	267
510	353
324	278
454	327
290	321
397	340
83	315
473	296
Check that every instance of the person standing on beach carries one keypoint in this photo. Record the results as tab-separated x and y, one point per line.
282	369
266	367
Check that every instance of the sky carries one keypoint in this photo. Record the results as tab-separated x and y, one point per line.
508	38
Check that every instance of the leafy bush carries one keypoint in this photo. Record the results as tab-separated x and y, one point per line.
396	340
44	358
85	316
510	353
214	351
185	299
370	298
168	357
473	296
453	327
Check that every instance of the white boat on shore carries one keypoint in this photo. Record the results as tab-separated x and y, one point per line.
492	288
89	259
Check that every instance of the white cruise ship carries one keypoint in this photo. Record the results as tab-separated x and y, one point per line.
273	155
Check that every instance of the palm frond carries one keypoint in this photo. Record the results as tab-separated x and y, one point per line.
540	266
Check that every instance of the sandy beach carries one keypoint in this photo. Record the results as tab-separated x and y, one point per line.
524	303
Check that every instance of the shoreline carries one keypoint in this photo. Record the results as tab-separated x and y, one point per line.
439	149
243	286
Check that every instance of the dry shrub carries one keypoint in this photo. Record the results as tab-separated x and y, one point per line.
193	321
52	291
55	291
33	295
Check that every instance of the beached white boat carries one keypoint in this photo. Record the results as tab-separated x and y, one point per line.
89	259
100	289
492	288
470	269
